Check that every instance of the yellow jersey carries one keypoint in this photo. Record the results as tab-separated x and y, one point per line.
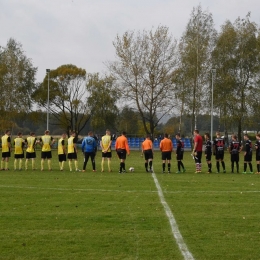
18	145
6	143
46	143
106	143
31	140
71	145
61	144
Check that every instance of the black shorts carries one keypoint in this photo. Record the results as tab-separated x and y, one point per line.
62	157
179	156
106	155
235	157
257	157
72	156
166	156
248	158
148	154
18	156
30	155
46	155
208	157
198	157
121	153
6	154
219	155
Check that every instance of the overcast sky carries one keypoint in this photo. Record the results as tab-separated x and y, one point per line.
81	32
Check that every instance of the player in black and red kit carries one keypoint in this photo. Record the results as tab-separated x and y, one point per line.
179	153
197	150
219	149
257	153
208	151
234	150
248	154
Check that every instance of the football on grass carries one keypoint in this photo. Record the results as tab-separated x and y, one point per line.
131	169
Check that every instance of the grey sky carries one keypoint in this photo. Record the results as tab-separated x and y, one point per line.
80	32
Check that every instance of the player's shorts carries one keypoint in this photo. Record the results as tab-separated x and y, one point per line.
198	157
248	157
106	155
179	156
46	155
257	157
148	154
18	156
219	155
166	156
30	155
72	156
235	157
121	154
62	157
208	157
6	154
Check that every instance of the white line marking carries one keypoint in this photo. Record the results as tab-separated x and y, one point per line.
175	230
131	191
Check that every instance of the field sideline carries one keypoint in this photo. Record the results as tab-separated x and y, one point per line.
76	215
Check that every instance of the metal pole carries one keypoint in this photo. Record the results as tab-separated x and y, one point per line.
48	98
213	71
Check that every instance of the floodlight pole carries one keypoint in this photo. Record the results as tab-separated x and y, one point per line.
213	73
48	98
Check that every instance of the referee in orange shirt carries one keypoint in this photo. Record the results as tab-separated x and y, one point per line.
147	151
122	149
166	148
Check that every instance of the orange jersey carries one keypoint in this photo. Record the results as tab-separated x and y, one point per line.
166	145
122	143
147	145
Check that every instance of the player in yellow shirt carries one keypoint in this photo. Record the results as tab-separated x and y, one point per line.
105	145
6	150
147	151
46	142
18	151
72	151
62	151
31	142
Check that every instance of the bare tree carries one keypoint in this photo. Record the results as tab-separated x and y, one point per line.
144	70
195	50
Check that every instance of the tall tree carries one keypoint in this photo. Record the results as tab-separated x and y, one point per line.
67	97
128	120
17	80
102	102
237	59
144	69
195	49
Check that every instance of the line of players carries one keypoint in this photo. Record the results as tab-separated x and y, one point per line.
89	148
234	148
46	142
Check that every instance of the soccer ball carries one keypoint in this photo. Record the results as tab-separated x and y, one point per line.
131	169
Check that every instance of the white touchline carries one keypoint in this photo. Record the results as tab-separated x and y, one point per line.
130	191
175	230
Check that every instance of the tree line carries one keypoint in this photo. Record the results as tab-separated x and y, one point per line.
154	76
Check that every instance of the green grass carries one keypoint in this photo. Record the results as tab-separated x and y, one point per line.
76	215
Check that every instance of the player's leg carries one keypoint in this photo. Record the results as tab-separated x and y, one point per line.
93	162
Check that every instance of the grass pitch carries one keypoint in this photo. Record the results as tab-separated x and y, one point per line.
76	215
